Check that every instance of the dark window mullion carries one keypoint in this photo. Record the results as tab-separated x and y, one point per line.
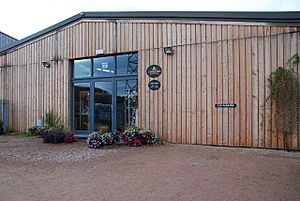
92	106
92	74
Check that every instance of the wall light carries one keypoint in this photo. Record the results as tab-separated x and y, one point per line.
46	64
168	50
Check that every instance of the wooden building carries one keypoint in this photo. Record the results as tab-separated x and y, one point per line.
91	70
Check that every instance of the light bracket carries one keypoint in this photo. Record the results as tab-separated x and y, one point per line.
168	50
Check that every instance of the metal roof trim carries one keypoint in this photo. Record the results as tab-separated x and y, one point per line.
269	17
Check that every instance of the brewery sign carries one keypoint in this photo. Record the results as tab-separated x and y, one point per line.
154	85
153	71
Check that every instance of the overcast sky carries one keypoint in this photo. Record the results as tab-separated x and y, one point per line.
21	18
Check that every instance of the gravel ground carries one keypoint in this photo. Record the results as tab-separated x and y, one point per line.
32	150
32	170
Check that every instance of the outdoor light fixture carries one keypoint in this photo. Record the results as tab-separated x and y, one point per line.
46	64
168	50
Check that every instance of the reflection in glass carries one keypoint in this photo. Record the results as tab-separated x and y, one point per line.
127	64
103	104
82	105
82	68
127	104
104	66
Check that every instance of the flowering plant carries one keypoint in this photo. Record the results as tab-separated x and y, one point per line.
136	136
54	131
53	135
133	136
37	130
98	139
68	136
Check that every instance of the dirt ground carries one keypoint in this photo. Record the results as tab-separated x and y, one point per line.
31	170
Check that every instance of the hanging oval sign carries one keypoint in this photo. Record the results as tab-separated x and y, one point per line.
153	71
154	85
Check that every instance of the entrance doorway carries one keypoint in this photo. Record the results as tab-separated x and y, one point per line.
105	93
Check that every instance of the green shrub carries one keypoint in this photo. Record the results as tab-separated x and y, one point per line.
285	86
52	120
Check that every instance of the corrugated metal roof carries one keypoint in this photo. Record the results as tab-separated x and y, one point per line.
264	17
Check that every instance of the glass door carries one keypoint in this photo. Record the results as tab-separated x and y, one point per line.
103	104
82	106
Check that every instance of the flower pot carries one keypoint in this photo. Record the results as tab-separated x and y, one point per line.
1	131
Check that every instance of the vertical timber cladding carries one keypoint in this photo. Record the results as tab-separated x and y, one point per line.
33	90
212	63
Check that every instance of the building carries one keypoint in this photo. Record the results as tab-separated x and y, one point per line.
6	40
91	69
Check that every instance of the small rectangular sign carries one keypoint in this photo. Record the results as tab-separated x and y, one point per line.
225	105
99	51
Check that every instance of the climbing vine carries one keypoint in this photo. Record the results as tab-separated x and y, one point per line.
285	92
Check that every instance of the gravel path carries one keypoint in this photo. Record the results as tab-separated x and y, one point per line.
33	171
33	150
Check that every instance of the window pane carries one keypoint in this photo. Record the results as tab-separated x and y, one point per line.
104	66
103	104
127	64
82	68
82	105
127	104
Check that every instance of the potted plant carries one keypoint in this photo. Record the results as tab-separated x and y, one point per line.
53	131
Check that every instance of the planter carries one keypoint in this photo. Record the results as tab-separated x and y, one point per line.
1	131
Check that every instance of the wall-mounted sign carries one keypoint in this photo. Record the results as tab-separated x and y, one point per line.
225	105
153	71
154	85
99	51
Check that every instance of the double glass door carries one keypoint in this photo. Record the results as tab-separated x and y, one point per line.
105	102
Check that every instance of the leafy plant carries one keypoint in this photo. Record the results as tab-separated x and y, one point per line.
51	135
69	136
133	136
103	129
52	120
54	131
136	136
37	130
57	135
98	139
285	92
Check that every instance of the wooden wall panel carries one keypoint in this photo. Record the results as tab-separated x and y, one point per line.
298	72
227	71
212	63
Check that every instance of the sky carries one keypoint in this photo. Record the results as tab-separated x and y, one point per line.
21	18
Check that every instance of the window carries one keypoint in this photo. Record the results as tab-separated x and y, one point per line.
109	66
105	93
104	66
82	68
127	64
